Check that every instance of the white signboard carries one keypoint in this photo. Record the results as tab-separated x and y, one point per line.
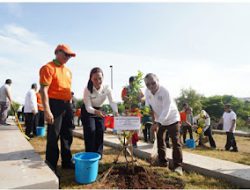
127	123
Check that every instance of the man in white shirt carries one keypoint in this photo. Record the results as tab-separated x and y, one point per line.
5	101
203	121
229	125
166	117
30	110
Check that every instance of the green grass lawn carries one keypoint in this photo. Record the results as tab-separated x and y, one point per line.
242	157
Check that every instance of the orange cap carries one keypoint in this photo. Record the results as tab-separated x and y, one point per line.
66	49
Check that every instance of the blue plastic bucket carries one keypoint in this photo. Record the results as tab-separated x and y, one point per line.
190	143
86	167
40	131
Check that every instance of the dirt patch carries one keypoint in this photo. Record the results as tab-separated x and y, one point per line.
141	178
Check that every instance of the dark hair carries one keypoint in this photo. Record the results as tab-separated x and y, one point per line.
184	104
90	83
131	79
34	85
8	81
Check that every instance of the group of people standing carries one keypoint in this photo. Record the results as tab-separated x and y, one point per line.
56	97
55	81
201	124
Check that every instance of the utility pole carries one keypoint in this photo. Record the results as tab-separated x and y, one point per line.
111	69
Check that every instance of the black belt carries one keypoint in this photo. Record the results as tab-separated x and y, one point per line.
57	100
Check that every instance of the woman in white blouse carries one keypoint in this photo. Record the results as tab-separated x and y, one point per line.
92	116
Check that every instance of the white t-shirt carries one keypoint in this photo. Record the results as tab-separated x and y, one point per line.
228	119
97	98
3	93
30	102
164	107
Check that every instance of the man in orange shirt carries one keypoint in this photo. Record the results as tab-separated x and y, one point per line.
55	81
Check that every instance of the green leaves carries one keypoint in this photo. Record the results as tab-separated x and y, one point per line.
134	95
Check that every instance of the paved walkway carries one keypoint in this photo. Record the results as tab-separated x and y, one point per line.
20	166
234	173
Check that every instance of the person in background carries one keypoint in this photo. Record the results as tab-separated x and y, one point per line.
166	117
40	114
78	115
146	125
92	116
132	105
5	101
188	124
73	108
229	125
203	120
55	81
184	125
20	113
30	111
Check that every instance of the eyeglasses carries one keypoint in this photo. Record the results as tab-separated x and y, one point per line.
66	54
150	84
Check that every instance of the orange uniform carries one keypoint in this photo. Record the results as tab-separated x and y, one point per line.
39	102
183	116
58	78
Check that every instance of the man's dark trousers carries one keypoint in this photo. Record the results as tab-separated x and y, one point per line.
230	141
62	127
30	123
174	133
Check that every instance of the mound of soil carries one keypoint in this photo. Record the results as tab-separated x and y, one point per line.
141	178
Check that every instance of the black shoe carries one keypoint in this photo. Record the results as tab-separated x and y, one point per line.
70	165
234	150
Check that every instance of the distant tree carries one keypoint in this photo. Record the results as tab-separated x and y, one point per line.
79	103
214	106
191	97
15	106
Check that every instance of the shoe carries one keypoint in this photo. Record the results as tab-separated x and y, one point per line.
70	165
134	145
234	150
178	170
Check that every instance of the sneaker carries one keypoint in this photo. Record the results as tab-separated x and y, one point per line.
178	170
70	165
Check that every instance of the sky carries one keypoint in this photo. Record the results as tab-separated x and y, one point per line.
204	46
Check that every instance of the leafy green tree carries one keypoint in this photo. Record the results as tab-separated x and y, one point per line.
214	106
15	106
79	103
134	98
191	97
